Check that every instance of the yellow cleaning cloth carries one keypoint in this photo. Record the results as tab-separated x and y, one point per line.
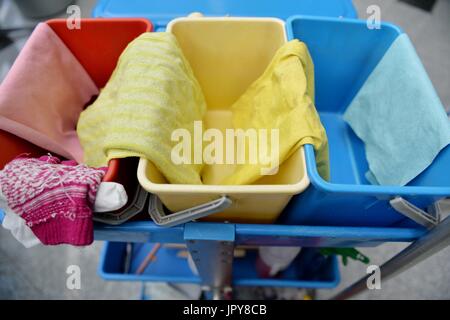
151	93
282	98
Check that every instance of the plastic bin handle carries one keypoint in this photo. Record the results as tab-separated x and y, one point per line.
428	220
156	211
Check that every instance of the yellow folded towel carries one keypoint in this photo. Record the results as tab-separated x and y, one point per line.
282	98
151	93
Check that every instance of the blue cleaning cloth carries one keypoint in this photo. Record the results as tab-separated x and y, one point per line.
399	116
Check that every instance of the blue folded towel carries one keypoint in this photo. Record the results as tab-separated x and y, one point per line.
399	116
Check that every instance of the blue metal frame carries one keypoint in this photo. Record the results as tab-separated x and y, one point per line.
260	234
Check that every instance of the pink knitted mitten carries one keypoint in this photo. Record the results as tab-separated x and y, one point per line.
54	198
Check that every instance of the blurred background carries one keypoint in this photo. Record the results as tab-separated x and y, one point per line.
40	272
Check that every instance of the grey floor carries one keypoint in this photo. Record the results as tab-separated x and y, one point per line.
40	273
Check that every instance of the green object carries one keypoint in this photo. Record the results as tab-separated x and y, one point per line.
346	253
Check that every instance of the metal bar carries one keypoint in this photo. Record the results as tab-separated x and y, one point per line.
211	247
320	236
156	211
403	206
138	231
435	240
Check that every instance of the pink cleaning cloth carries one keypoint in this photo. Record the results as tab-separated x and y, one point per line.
43	94
54	198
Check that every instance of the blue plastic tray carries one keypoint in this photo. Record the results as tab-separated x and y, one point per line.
345	52
170	268
161	12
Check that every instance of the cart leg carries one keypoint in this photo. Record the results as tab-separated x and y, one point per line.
144	295
211	247
435	240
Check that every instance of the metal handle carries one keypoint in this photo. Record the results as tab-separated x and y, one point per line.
156	211
427	219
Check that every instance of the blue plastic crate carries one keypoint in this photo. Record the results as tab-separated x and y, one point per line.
345	52
170	268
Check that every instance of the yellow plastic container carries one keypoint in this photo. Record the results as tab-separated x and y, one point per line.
227	55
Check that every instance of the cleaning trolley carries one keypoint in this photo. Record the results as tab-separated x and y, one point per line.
228	46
